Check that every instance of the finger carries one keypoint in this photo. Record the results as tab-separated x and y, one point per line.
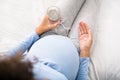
56	24
85	28
79	32
81	28
88	31
60	18
90	34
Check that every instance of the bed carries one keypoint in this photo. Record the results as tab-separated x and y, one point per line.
18	18
103	18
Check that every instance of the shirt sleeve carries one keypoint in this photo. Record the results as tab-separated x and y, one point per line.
83	69
23	45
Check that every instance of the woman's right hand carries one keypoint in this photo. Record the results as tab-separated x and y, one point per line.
46	25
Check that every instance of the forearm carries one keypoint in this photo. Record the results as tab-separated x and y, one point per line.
83	68
24	45
85	52
85	41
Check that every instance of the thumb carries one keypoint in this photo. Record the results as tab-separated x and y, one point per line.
56	24
90	34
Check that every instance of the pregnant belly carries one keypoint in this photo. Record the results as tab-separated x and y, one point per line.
59	49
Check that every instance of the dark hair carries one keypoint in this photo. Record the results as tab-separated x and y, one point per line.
13	68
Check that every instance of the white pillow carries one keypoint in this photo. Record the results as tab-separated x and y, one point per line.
68	9
87	14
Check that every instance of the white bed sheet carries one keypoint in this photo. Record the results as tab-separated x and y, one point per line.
103	17
106	54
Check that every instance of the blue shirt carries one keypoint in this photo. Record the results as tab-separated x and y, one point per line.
63	65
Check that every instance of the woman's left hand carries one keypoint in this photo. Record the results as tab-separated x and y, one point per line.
46	25
85	39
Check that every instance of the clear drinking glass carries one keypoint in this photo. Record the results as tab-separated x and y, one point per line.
54	14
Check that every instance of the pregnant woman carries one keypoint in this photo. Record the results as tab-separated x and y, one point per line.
54	57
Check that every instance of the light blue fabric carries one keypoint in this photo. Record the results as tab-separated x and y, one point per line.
24	45
53	57
83	69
